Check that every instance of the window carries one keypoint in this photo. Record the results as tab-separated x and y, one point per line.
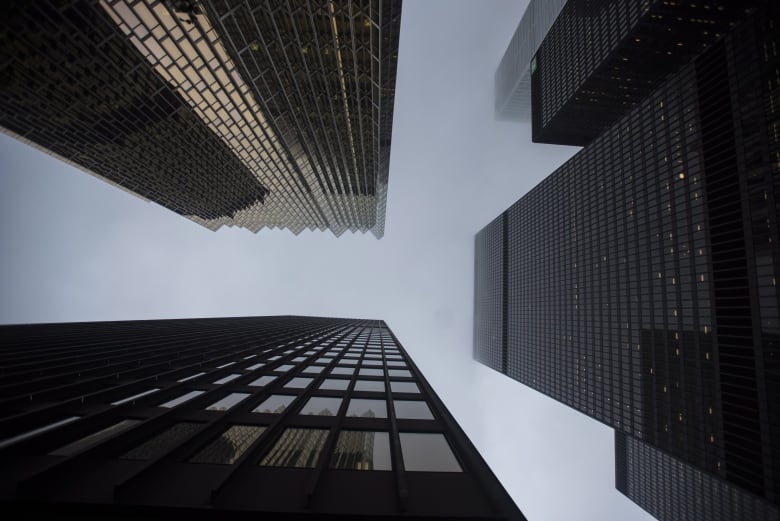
342	370
94	438
225	365
262	381
366	408
404	387
370	385
181	399
191	377
34	432
230	445
412	410
427	452
228	378
227	402
163	442
255	367
299	448
314	369
299	359
275	404
298	383
370	372
284	368
362	450
334	384
396	363
399	373
249	357
321	406
134	397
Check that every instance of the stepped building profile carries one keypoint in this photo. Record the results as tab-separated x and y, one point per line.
283	417
251	114
637	283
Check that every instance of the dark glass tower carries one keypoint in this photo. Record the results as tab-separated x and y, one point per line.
290	417
234	113
637	283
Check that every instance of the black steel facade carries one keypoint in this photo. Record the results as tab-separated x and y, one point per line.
602	57
202	418
252	114
639	280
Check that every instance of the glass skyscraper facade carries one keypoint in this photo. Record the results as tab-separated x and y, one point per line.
637	282
321	418
250	114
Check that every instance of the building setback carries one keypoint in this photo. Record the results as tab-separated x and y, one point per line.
233	113
291	417
637	282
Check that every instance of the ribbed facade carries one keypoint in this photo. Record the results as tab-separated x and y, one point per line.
287	417
513	76
639	278
227	112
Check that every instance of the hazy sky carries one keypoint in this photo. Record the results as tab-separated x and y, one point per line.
75	248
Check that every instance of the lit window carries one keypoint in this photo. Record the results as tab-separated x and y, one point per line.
230	445
299	448
163	442
367	408
362	450
94	438
370	385
181	399
404	387
275	404
321	406
412	410
427	452
227	402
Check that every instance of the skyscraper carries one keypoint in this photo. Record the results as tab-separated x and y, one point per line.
202	418
637	282
230	113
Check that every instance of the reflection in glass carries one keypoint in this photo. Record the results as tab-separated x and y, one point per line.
275	404
163	442
370	372
412	410
227	402
321	406
343	370
134	397
228	378
181	399
362	450
399	372
298	383
94	438
262	381
427	452
370	385
296	448
366	408
314	369
334	384
404	387
230	445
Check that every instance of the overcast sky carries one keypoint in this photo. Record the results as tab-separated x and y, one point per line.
74	248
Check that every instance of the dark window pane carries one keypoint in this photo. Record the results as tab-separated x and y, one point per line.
362	450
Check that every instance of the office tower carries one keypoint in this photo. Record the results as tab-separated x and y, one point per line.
637	282
205	418
232	113
513	76
601	57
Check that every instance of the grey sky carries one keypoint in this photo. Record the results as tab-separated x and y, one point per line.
75	248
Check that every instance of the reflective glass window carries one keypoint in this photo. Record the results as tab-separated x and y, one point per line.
230	445
362	450
227	402
314	369
275	404
399	373
427	452
321	406
93	439
367	408
134	397
342	370
191	377
228	378
298	383
412	410
299	448
255	367
263	381
334	384
370	385
368	371
162	442
181	399
404	387
284	368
